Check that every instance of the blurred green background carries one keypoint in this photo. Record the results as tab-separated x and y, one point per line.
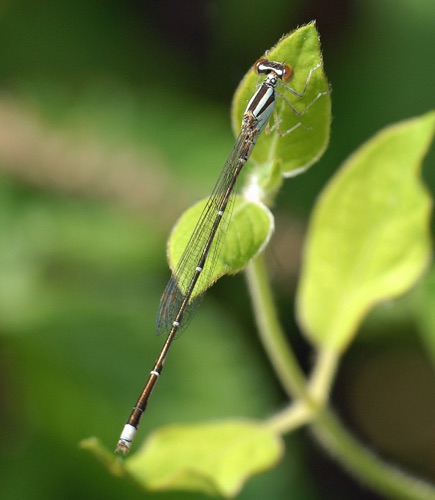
114	117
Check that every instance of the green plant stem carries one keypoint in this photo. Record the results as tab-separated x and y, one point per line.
272	336
323	375
308	408
288	420
364	464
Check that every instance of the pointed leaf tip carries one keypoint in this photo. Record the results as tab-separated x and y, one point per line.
296	150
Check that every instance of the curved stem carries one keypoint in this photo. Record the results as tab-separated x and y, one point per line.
323	375
294	416
312	396
364	464
271	334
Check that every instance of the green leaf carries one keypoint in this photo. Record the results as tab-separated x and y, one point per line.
212	458
248	232
111	461
368	239
299	149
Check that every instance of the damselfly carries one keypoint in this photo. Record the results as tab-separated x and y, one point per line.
180	298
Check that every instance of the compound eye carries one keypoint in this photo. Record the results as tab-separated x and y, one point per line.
258	64
287	73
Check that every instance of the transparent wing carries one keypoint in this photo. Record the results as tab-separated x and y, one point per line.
177	289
